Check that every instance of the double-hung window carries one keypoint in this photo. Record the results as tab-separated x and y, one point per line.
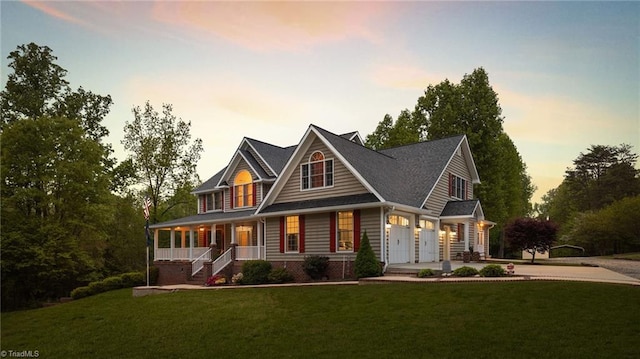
318	172
458	187
345	231
243	189
292	234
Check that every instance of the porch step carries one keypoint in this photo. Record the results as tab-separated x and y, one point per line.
199	278
403	272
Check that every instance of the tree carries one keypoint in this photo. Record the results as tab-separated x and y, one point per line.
161	152
55	180
471	108
531	235
366	264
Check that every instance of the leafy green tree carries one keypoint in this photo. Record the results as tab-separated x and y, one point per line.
366	264
162	153
531	235
56	176
611	230
470	107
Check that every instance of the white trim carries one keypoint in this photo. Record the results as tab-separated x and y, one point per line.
233	164
248	140
296	158
324	172
475	179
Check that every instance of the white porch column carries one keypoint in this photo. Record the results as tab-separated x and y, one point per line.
191	235
233	233
155	243
466	236
260	239
172	244
214	239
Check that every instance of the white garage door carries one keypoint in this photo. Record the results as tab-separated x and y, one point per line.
399	244
427	245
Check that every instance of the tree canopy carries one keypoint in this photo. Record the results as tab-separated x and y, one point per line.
162	154
471	108
531	235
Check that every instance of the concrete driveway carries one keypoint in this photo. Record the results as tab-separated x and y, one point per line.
541	272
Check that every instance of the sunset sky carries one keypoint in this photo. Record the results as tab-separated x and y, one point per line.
567	73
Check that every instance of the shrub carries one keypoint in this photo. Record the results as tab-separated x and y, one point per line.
81	292
217	279
237	278
98	287
133	279
366	265
256	272
427	272
280	275
112	283
315	266
493	270
465	271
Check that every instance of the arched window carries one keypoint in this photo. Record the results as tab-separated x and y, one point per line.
243	189
318	172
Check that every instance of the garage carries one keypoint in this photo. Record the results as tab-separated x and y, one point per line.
400	239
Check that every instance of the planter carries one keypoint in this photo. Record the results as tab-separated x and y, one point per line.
466	257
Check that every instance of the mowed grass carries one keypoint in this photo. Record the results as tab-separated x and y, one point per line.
461	320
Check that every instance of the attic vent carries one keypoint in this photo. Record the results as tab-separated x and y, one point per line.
459	152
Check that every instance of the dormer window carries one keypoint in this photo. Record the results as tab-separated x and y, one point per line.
243	189
211	202
317	173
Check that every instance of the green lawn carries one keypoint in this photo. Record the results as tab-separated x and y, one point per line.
452	320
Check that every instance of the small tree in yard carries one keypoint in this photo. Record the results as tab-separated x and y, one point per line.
531	235
366	265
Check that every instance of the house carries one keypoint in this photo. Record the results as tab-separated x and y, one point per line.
280	204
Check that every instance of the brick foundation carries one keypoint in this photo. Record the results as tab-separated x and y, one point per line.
173	272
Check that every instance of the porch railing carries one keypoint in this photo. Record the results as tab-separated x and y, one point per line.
247	252
198	263
221	262
164	254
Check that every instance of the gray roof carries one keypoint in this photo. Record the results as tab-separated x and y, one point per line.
211	183
404	174
206	218
459	208
254	164
323	202
275	156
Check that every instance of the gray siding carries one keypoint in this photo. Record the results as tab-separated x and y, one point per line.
440	195
317	236
344	183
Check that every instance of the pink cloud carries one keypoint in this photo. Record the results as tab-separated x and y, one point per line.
58	10
265	26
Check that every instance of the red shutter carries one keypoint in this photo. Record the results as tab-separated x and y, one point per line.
255	194
460	234
450	185
301	225
231	197
356	230
281	234
332	232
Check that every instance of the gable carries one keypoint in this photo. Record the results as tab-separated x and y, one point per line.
344	182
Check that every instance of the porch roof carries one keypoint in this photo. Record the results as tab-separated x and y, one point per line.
207	218
322	203
460	208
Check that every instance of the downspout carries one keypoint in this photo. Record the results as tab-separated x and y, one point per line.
385	216
263	222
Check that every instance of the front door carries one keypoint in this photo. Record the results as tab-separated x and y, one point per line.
427	245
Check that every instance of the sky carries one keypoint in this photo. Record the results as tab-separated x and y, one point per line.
567	74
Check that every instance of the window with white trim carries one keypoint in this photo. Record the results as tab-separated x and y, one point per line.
458	187
243	189
292	234
317	173
345	231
